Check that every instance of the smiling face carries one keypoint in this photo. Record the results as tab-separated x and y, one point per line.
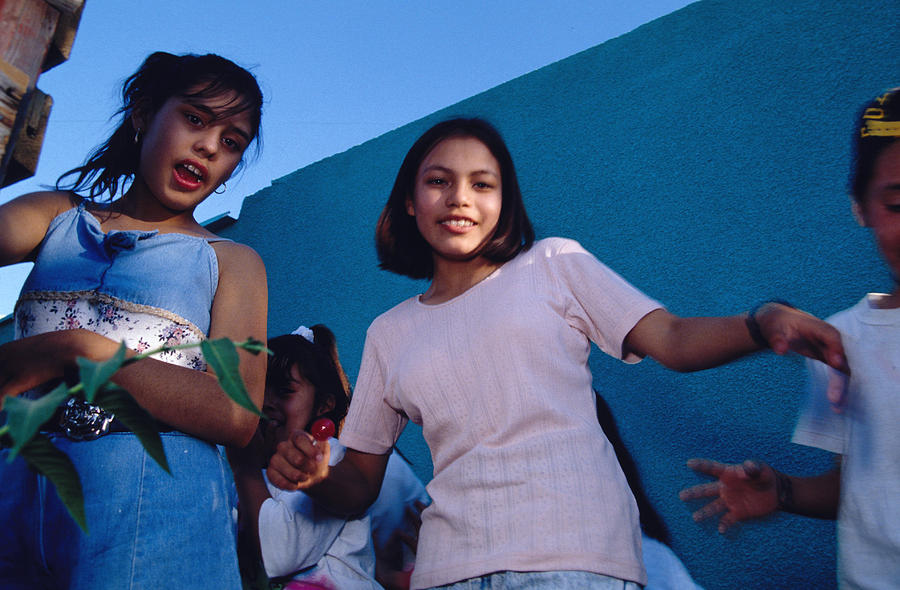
880	210
187	151
289	409
457	198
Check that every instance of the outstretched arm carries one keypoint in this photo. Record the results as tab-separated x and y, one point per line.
753	490
347	488
691	344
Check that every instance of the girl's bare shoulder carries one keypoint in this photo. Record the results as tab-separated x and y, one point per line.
238	259
24	222
47	204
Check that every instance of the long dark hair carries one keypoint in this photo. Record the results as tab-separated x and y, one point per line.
161	77
400	246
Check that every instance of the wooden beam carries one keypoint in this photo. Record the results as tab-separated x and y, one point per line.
26	29
13	87
27	148
69	19
35	35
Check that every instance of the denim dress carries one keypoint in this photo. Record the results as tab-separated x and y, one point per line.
148	529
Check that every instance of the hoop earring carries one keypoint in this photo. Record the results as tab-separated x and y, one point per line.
223	187
137	136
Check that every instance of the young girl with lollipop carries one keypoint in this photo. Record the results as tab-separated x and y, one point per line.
297	542
491	360
137	268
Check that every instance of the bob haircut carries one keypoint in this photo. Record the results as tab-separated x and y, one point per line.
319	364
400	246
163	76
867	146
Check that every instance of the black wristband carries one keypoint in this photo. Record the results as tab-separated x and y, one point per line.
785	489
753	324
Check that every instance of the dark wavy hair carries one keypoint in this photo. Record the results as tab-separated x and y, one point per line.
161	77
400	246
866	146
319	364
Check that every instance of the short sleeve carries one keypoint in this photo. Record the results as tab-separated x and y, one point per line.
599	302
372	425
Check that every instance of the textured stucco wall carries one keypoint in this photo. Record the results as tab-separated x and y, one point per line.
703	156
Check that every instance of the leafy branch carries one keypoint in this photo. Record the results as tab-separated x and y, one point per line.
24	417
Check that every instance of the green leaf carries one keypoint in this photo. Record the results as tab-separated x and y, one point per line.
25	416
52	463
95	374
254	346
222	357
137	419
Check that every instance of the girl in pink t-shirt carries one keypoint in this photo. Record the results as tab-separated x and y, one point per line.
491	360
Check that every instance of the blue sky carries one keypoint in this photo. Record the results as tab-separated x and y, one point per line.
335	74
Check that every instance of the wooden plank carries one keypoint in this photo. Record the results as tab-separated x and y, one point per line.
67	6
27	148
13	86
26	29
69	19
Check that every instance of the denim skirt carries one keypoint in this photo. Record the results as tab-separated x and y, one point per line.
147	529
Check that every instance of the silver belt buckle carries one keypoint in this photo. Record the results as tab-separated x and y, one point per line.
83	421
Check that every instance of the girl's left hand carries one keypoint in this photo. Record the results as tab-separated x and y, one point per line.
788	329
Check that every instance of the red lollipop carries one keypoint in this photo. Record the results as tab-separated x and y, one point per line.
322	429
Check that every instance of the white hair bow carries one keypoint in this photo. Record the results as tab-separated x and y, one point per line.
305	332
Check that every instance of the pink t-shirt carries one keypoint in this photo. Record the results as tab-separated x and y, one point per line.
498	378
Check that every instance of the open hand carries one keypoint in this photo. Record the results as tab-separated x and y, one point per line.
743	491
788	329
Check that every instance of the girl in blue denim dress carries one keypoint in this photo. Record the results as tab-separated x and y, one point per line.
134	266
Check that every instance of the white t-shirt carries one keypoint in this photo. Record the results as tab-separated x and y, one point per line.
498	377
867	434
299	539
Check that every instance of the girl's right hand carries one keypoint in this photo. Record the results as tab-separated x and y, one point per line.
299	462
33	361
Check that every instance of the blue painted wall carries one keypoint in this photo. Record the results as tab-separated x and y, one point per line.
704	156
